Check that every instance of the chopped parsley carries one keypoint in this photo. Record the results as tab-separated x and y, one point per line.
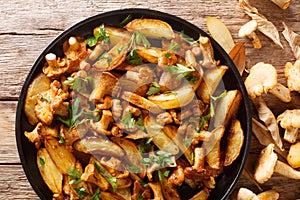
154	89
126	21
45	98
110	179
80	84
61	140
133	58
145	145
162	158
134	169
174	46
179	69
75	175
42	161
97	195
161	174
130	122
101	34
81	192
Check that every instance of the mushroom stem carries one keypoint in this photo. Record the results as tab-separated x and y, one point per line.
74	44
248	30
281	92
290	135
255	40
283	4
286	170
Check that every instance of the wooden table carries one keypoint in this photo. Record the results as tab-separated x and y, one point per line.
28	26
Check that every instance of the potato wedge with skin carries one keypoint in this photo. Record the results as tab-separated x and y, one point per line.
141	102
114	57
213	149
40	84
202	195
152	28
50	173
98	146
159	138
176	99
62	157
111	196
210	81
268	195
150	54
115	34
235	141
227	108
132	153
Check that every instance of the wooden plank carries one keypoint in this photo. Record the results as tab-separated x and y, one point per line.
8	148
14	184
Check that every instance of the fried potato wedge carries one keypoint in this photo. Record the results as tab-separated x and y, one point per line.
235	141
213	149
132	153
268	195
141	102
114	57
202	195
50	173
40	84
98	146
62	157
227	108
111	196
152	28
150	54
115	34
159	138
176	99
210	81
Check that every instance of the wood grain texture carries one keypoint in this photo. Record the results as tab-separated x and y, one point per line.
28	26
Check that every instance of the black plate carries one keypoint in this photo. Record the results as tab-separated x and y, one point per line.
232	80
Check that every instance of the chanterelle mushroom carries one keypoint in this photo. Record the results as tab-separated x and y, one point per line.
248	30
263	79
290	121
292	74
266	163
246	194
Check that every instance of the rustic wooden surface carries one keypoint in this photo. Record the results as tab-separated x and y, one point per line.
28	26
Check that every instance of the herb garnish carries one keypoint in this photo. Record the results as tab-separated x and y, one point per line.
126	21
97	195
179	69
162	159
161	174
75	175
146	145
134	169
101	34
74	114
42	161
80	84
174	47
110	179
45	98
154	89
133	58
81	192
61	140
131	122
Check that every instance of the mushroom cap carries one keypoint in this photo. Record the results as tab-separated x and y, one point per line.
262	78
289	119
292	73
248	28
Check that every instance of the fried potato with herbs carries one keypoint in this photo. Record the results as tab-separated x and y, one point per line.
125	114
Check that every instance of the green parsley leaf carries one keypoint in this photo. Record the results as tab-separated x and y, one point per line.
143	184
81	192
203	121
97	195
168	55
134	169
75	175
187	141
128	120
154	89
174	46
126	21
213	99
162	159
192	79
161	174
110	179
80	84
140	123
61	140
42	161
140	38
133	58
179	69
192	155
101	34
45	98
146	145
